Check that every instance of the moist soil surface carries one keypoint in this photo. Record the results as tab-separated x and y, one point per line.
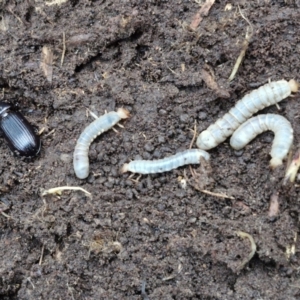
160	236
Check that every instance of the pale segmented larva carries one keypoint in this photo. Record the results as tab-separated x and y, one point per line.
103	123
187	157
264	96
279	125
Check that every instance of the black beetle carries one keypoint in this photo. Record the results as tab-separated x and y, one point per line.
19	134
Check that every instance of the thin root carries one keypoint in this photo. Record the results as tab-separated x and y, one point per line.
29	280
253	247
18	18
219	195
192	172
194	136
6	215
49	133
191	144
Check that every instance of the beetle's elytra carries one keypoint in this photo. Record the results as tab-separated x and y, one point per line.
18	132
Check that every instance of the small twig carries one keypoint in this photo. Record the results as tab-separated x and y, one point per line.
41	130
202	12
17	17
244	48
172	70
64	49
49	133
219	195
191	144
212	84
192	172
6	215
29	280
42	254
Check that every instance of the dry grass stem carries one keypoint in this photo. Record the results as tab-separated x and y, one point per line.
64	49
219	195
253	247
58	190
246	42
46	63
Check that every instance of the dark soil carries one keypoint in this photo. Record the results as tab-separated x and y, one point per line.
151	239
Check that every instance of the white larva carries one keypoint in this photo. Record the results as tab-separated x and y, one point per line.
187	157
264	96
100	125
281	127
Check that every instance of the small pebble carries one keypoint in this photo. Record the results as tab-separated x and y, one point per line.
184	118
161	139
202	116
162	112
149	147
181	138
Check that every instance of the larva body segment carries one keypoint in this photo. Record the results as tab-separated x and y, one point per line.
264	96
279	125
187	157
100	125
